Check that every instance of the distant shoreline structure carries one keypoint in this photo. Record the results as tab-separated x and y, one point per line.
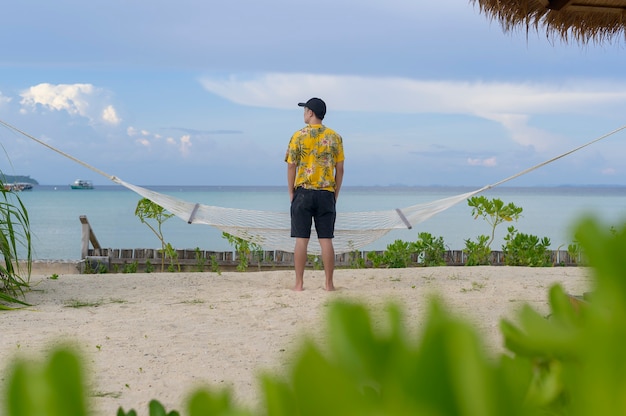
18	186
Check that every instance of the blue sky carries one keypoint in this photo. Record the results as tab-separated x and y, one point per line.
205	93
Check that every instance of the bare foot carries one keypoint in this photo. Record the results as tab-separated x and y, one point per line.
298	289
330	288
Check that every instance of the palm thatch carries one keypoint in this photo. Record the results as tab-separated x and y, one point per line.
584	21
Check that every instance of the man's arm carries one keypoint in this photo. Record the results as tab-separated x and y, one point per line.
338	178
291	178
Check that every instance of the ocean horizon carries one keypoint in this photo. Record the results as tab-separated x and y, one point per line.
548	211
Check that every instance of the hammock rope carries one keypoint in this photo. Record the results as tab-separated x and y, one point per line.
271	230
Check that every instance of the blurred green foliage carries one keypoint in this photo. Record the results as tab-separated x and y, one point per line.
569	363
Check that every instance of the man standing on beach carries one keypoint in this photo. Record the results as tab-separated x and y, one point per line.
314	176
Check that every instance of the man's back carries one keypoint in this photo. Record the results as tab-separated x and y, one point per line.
315	150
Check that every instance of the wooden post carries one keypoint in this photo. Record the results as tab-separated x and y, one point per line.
87	236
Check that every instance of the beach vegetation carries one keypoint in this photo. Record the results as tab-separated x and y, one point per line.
215	265
130	267
570	362
171	253
397	255
478	252
494	211
147	212
427	250
430	249
77	303
149	267
15	239
355	257
371	362
258	255
315	260
575	253
200	259
243	250
476	287
95	267
521	249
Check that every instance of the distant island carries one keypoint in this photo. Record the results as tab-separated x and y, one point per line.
17	179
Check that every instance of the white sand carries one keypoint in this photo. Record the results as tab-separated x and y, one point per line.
161	335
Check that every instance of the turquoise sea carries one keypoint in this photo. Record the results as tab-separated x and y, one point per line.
548	212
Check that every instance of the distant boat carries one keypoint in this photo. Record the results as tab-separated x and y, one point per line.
81	184
17	187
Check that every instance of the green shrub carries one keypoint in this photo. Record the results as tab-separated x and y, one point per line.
243	248
147	210
397	255
478	252
215	266
522	249
575	253
494	212
131	267
430	250
149	266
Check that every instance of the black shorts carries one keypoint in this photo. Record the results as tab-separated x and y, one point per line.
309	205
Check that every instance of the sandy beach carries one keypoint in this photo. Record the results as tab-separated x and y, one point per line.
161	335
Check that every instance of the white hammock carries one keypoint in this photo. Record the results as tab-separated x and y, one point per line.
271	230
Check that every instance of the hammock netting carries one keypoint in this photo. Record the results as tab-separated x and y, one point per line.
271	230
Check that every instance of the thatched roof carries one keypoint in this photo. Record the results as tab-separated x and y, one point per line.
579	20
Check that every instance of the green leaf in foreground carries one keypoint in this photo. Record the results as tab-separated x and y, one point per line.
571	362
53	389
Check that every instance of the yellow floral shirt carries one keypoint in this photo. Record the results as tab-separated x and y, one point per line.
315	150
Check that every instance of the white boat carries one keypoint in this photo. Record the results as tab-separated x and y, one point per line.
82	184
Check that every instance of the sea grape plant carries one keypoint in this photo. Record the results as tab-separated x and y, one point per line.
430	249
521	249
244	248
148	210
397	255
478	252
494	212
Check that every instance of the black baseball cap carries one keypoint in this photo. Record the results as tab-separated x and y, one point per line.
317	106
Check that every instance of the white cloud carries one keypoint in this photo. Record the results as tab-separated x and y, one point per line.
82	100
4	99
185	145
609	171
510	104
110	116
404	95
144	142
489	162
70	98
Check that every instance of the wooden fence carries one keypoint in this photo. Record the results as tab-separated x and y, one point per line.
114	259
